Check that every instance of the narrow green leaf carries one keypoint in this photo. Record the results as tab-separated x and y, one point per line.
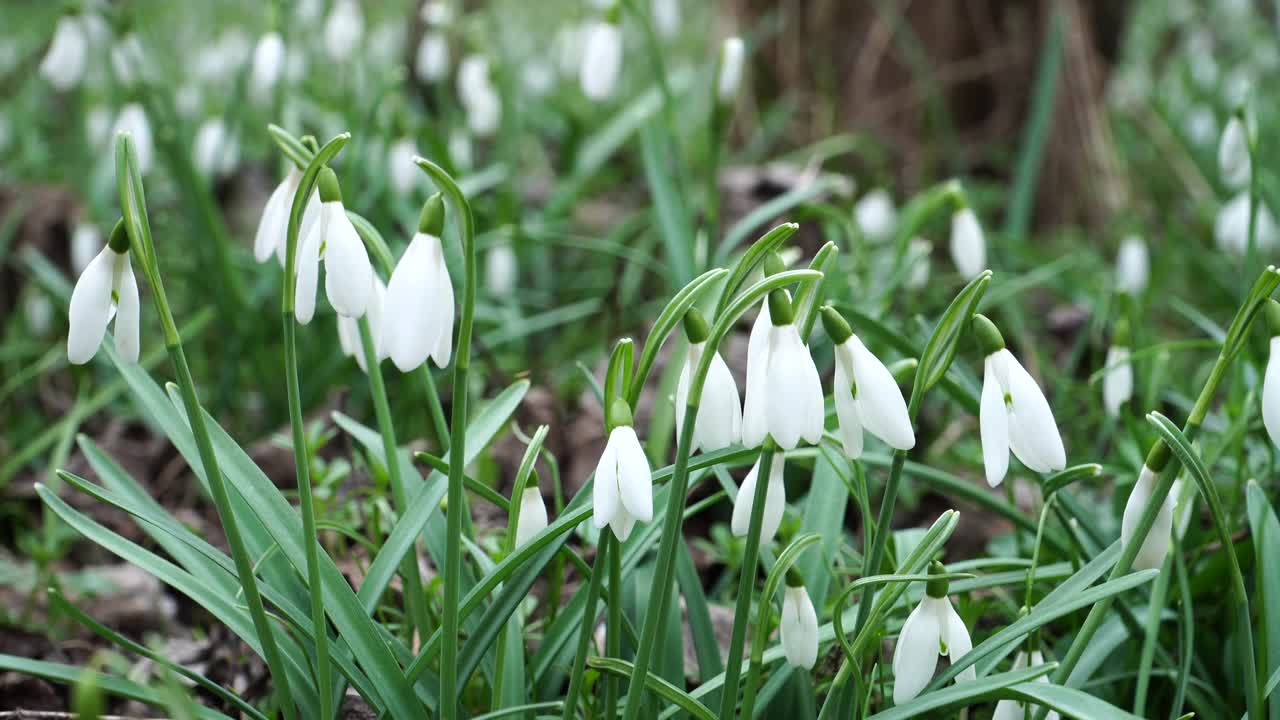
681	699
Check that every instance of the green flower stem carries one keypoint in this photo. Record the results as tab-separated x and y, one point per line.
1158	594
746	584
674	519
415	596
613	626
588	624
1239	329
133	203
320	627
457	442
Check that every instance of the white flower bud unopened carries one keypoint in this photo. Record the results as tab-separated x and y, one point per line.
64	63
343	29
666	17
968	245
1233	154
1156	545
133	120
268	65
732	58
214	151
1133	266
532	516
432	61
1117	380
876	216
798	628
601	60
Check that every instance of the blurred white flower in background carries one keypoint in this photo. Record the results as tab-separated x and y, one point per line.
918	252
343	30
568	47
133	120
1237	85
218	61
538	76
876	216
127	59
666	17
968	245
1133	265
295	65
187	101
402	172
64	63
268	66
732	56
37	308
215	150
460	149
500	269
86	241
308	11
432	61
601	60
1233	154
479	96
1200	125
1231	228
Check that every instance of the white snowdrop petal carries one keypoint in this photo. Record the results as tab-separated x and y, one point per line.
343	29
622	525
754	420
128	310
1133	266
719	422
993	424
740	523
432	61
881	406
1271	393
732	57
1117	381
348	274
956	637
1233	154
793	390
775	500
915	656
682	396
308	265
847	412
90	308
1032	421
64	64
876	216
968	245
799	628
601	60
605	503
268	65
442	312
532	517
274	219
1156	545
635	479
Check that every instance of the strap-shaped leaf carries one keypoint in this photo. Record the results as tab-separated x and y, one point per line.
941	348
679	698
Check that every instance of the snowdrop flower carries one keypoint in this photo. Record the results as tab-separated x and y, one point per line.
348	280
1117	381
133	120
85	243
622	494
268	65
876	216
419	312
799	624
1200	125
272	235
666	17
968	246
64	63
732	56
106	288
479	96
532	518
500	269
214	150
38	310
787	382
601	60
775	500
1184	494
432	61
349	329
1233	154
343	29
866	395
435	12
1133	266
1156	545
932	629
460	149
1271	377
568	47
719	420
127	59
403	171
918	251
97	125
754	424
1013	709
1014	414
1231	227
538	77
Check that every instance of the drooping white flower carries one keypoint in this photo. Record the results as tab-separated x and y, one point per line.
1014	415
133	120
435	12
622	493
1156	545
876	216
127	59
1271	390
1200	125
754	423
968	245
533	516
64	64
719	421
601	60
933	628
1012	709
775	500
38	309
401	169
479	96
348	281
214	151
568	46
500	269
866	395
273	228
432	61
418	318
86	241
1117	380
1133	266
1231	227
798	627
538	77
666	17
1233	154
106	288
349	328
1183	494
460	149
787	384
732	58
268	65
343	29
918	252
97	126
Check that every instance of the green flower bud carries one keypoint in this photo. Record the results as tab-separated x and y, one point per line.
327	183
119	239
989	337
780	311
836	326
619	413
1158	456
695	326
1272	311
793	577
937	587
431	221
